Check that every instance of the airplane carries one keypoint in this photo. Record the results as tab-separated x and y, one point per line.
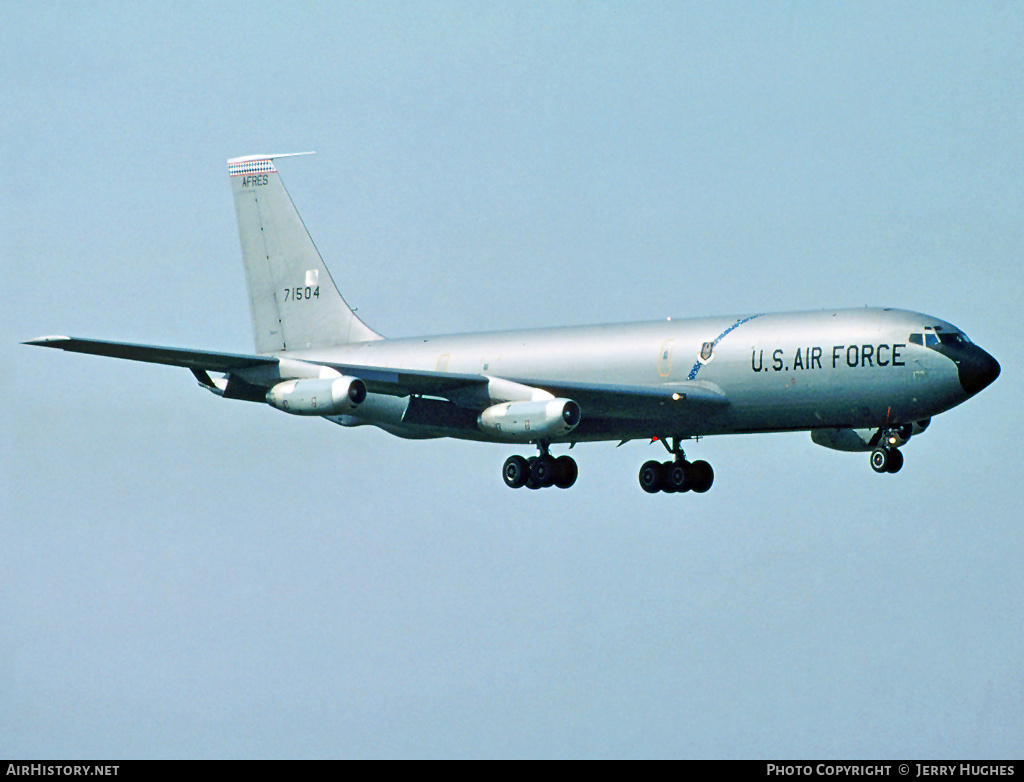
857	379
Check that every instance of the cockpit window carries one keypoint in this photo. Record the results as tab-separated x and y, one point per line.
935	335
953	338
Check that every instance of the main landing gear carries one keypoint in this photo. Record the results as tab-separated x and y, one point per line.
677	475
539	472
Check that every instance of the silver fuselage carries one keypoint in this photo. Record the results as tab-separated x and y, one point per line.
784	371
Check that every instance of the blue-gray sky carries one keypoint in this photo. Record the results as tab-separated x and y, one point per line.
182	576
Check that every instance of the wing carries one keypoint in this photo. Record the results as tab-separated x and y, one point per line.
250	376
256	368
154	354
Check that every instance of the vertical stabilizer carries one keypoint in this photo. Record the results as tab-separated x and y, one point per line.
294	302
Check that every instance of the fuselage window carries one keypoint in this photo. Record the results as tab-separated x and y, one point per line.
915	339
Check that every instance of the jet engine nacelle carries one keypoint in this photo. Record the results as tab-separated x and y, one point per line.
529	421
329	396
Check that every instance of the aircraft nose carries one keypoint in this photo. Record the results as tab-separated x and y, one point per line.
977	370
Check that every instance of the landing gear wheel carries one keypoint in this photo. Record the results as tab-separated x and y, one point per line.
677	477
566	472
651	477
895	461
886	460
879	460
531	482
542	472
701	476
515	472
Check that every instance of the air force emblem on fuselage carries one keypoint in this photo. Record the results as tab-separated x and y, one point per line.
707	352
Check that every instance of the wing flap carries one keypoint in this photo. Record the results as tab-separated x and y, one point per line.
408	382
628	401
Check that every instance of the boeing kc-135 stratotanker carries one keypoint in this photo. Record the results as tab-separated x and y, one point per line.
857	379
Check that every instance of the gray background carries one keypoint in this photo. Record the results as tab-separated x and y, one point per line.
184	576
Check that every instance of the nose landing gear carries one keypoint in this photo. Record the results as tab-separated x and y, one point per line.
887	456
886	459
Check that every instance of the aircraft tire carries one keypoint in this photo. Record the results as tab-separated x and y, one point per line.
701	476
651	477
531	482
566	472
880	460
543	471
515	472
895	463
676	477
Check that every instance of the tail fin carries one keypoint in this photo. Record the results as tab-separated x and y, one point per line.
294	302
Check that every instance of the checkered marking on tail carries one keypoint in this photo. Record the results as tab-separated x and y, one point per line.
246	167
